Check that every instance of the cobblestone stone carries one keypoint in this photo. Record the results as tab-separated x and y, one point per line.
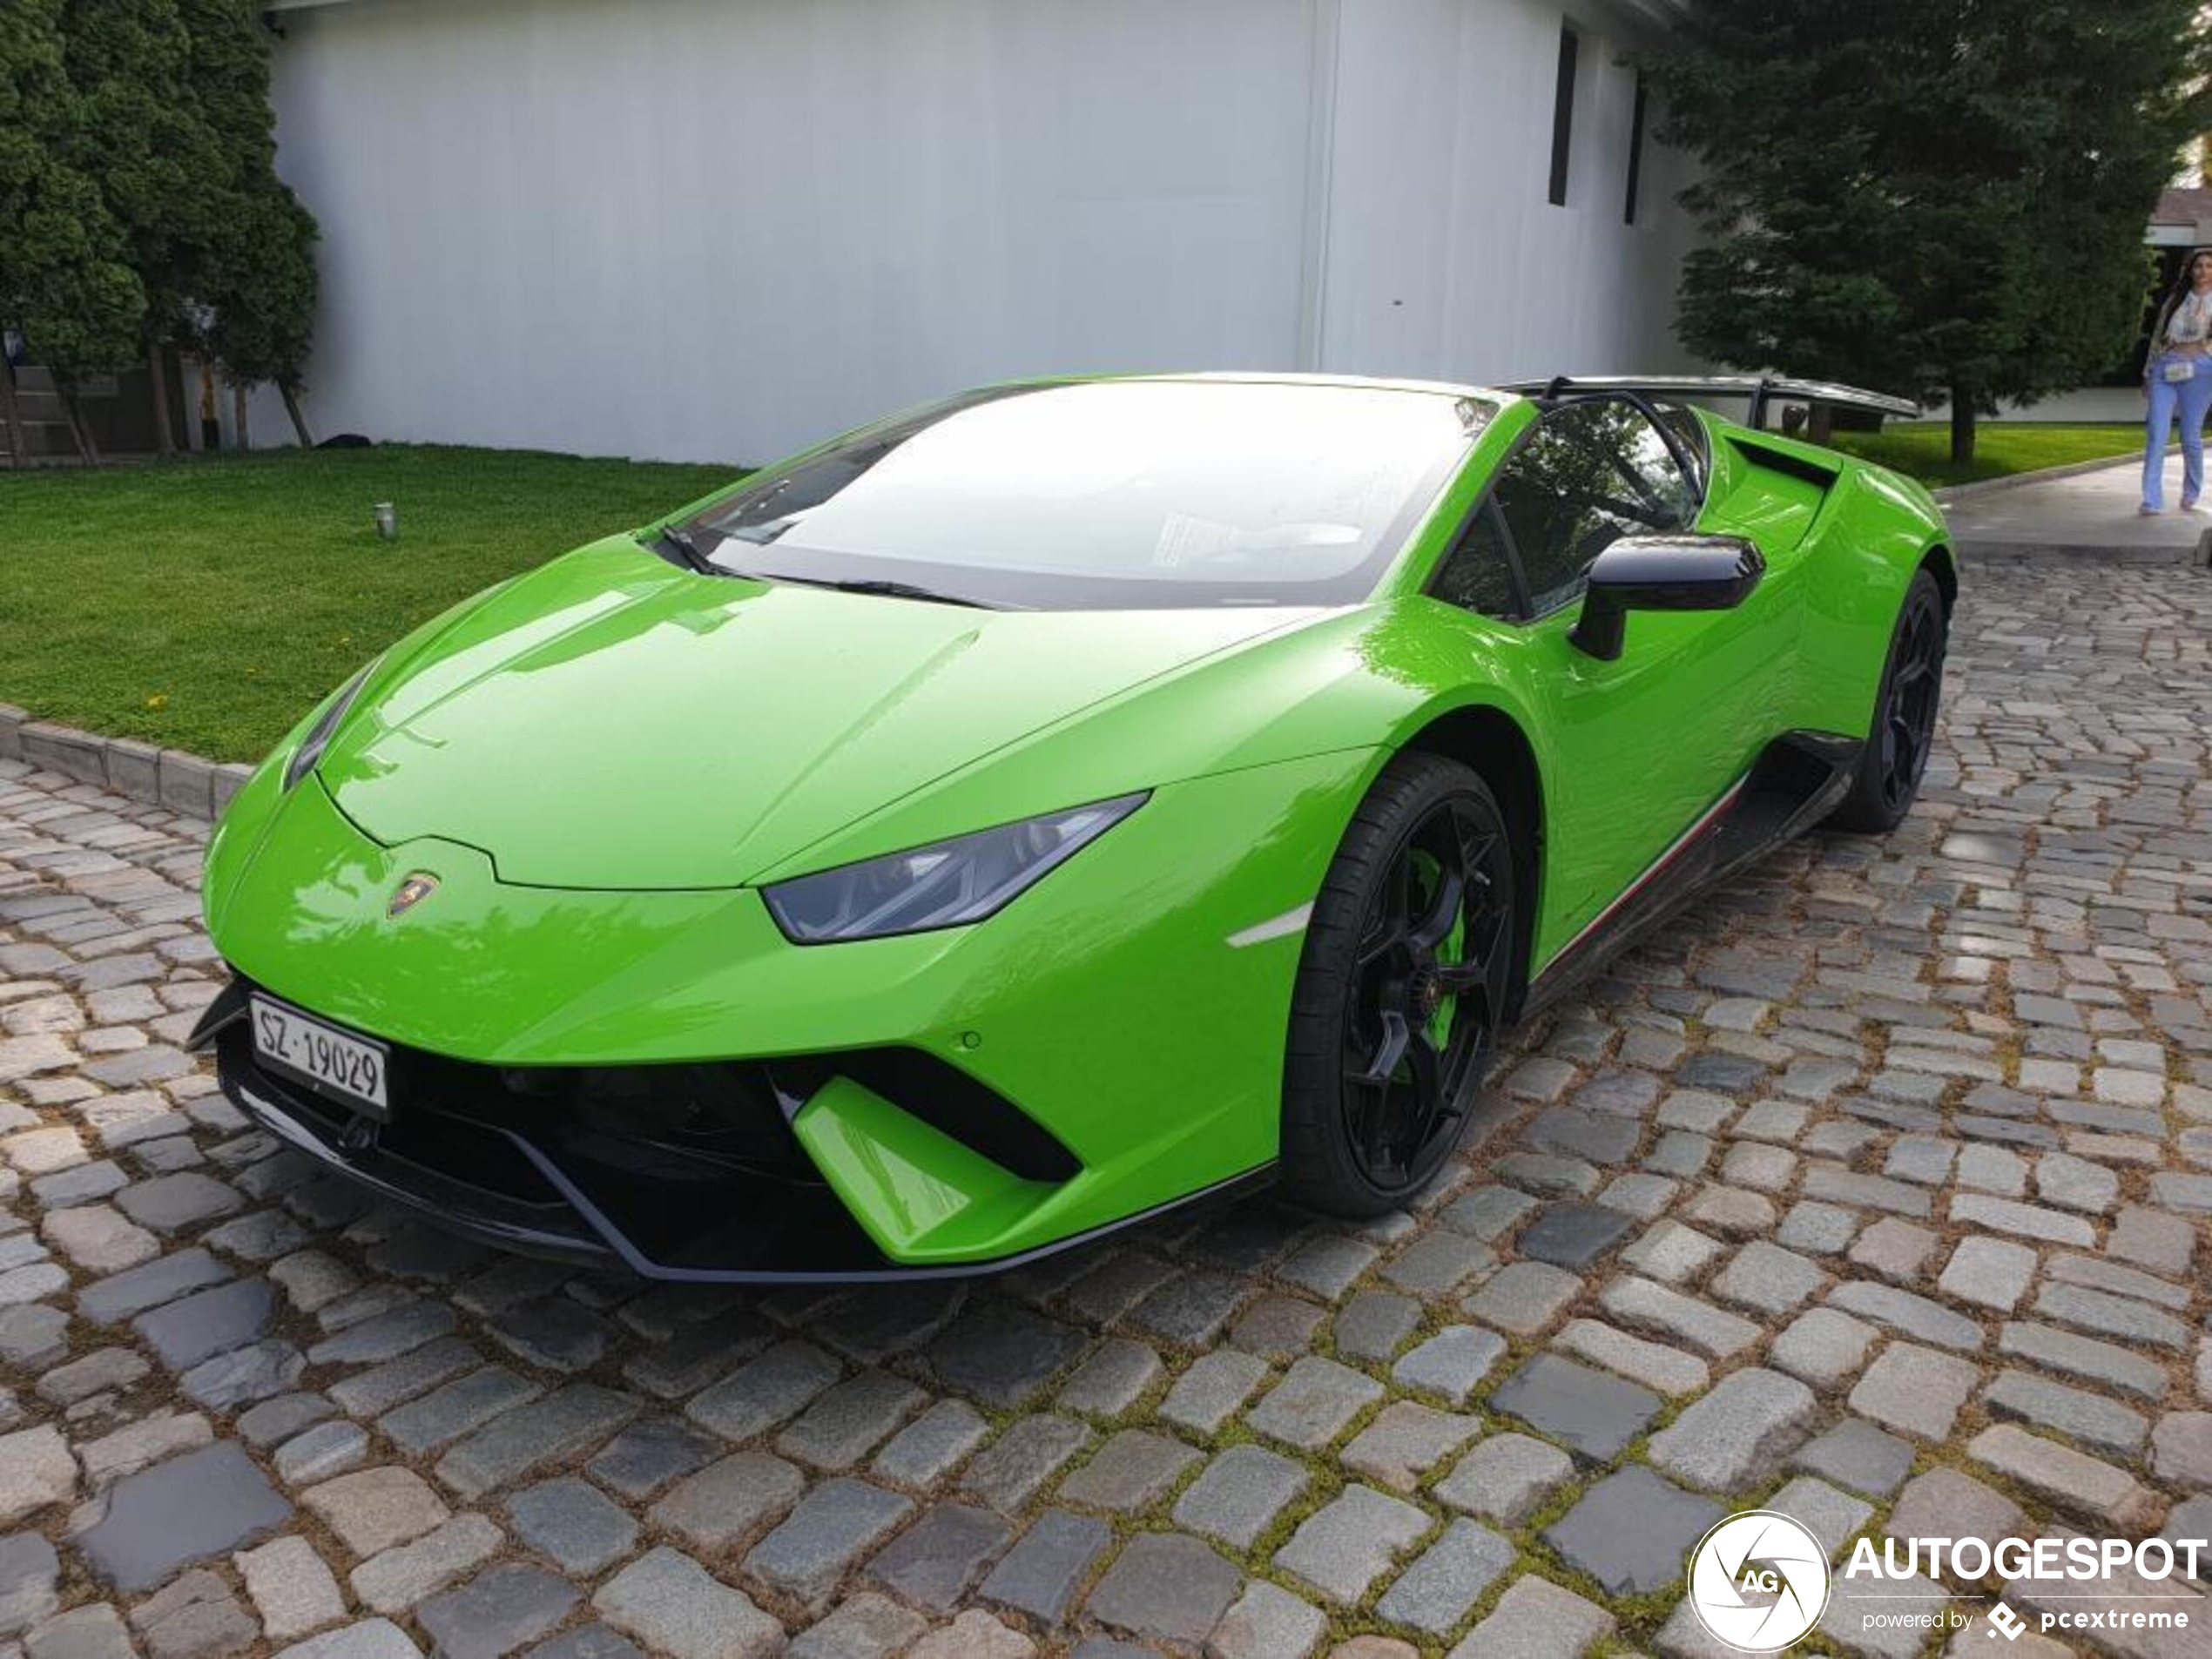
730	1500
1165	1587
1536	1617
933	1445
1736	1432
1342	1548
503	1610
1641	1303
1453	1363
1914	1390
1238	1495
2084	1358
2093	1490
202	1505
1507	1478
373	1509
1855	1453
1313	1402
567	1421
1523	1298
1908	1315
1437	1591
1018	1463
1267	1623
1988	1272
569	1521
675	1606
1946	1503
1040	1575
645	1457
291	1586
1632	1531
401	1576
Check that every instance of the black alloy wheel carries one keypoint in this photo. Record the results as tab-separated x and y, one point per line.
1909	709
1408	961
1896	755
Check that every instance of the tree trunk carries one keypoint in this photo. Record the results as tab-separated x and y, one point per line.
244	441
210	429
1962	426
165	435
8	410
88	448
298	419
1820	424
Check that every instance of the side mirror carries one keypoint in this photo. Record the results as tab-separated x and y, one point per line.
1676	570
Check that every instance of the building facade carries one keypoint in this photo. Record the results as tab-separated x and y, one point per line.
717	229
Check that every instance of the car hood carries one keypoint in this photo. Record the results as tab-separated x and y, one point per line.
611	722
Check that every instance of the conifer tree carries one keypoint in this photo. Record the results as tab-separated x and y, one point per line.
1937	198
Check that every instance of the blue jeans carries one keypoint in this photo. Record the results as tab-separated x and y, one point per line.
2190	399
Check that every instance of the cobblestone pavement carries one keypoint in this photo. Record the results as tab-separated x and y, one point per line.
1873	1192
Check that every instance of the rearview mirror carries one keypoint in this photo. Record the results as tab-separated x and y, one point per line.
1676	570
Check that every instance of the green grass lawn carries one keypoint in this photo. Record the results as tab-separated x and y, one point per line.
207	604
1923	447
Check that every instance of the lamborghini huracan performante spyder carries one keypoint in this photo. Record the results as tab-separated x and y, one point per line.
1067	801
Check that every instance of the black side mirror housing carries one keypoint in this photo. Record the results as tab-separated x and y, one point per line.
1674	570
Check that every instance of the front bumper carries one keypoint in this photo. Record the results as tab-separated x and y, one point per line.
542	1175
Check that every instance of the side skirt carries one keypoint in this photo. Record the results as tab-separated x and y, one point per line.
1795	782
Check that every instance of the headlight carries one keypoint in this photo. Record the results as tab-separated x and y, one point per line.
946	885
318	738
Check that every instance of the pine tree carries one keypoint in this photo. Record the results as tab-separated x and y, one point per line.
261	299
1937	198
259	294
158	164
65	281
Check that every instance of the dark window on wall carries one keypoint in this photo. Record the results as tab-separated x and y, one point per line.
1563	114
1635	155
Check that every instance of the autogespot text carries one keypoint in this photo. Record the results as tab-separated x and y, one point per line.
2081	1559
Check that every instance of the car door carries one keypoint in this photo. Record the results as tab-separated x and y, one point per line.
1641	747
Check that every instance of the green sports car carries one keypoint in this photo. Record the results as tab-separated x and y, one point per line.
1072	799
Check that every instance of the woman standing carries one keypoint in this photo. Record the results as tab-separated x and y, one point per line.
2178	380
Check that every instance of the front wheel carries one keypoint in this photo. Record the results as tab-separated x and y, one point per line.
1889	767
1400	990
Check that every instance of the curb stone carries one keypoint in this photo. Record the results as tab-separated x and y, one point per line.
168	777
1952	493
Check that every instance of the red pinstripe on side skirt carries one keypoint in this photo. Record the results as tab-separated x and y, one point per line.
1652	871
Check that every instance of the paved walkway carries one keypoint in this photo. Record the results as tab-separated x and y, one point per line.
2091	509
1874	1191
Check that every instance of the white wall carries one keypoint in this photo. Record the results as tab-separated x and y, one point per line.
715	229
1446	256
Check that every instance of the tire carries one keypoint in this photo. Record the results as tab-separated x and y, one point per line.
1371	1114
1887	778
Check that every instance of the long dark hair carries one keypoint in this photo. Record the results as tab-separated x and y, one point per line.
2182	285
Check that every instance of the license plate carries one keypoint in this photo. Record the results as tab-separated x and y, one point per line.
337	1061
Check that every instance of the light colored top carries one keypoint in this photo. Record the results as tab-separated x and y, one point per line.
2191	323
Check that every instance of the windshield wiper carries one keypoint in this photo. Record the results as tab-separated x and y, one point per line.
687	550
876	586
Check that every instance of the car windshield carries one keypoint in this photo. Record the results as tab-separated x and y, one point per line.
1109	494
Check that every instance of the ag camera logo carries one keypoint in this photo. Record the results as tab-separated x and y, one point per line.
1758	1582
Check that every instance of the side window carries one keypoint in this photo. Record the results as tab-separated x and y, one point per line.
1688	433
1595	472
1478	575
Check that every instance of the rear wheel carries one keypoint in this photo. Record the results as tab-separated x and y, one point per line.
1400	991
1896	755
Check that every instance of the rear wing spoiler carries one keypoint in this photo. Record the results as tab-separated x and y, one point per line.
1760	390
